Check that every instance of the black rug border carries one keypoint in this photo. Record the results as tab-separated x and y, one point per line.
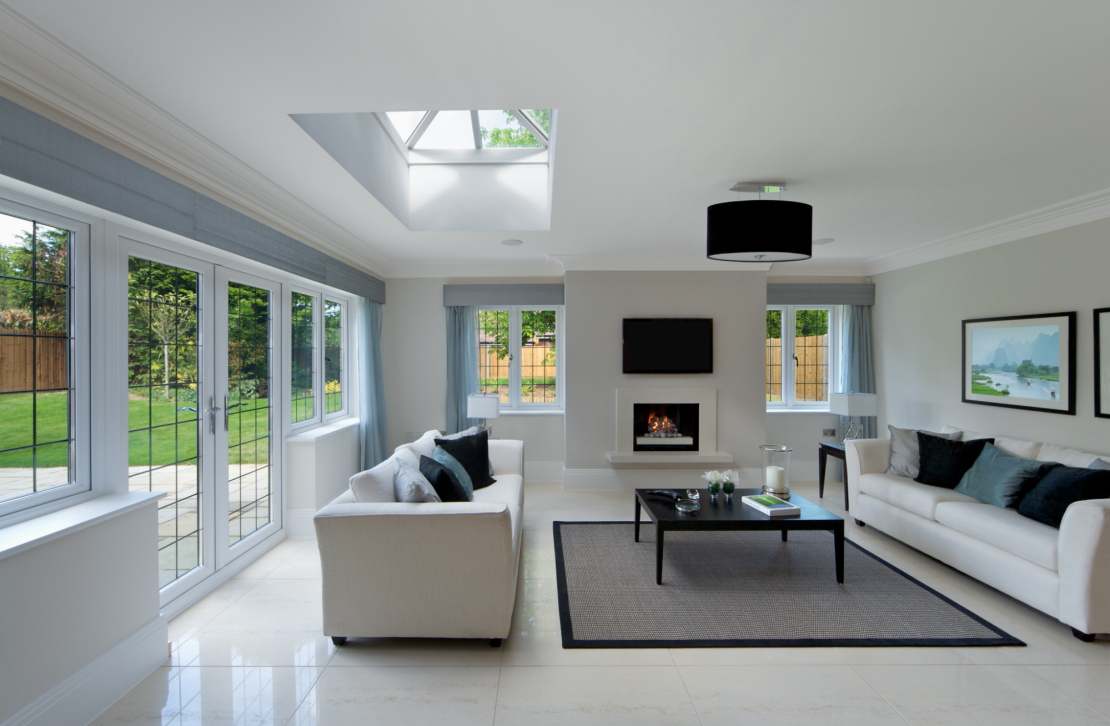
570	642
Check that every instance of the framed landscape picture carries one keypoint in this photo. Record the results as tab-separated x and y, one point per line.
1102	362
1025	362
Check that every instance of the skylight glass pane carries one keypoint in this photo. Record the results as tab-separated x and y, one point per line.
540	117
500	129
405	121
449	130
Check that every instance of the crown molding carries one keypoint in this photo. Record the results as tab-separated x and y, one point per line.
818	269
476	268
654	263
1087	208
39	65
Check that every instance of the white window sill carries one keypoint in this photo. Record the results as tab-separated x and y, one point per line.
536	412
799	410
23	536
321	430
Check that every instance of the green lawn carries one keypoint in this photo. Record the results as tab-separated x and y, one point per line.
17	422
981	385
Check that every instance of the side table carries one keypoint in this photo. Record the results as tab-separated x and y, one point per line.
835	450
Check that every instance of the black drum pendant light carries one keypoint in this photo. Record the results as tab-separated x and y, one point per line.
759	230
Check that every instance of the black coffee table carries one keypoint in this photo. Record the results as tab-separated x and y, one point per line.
735	516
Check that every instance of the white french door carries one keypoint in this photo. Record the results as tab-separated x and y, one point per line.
203	383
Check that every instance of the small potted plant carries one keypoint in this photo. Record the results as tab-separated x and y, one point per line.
714	479
728	484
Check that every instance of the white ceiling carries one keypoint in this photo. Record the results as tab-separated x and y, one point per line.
913	129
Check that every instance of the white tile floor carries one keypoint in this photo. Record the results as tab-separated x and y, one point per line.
252	653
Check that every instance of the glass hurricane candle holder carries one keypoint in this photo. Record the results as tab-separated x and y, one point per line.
776	470
714	490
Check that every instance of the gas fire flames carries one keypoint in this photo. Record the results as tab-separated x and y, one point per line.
661	427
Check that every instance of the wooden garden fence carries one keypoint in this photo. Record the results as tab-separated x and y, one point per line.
18	364
532	358
811	373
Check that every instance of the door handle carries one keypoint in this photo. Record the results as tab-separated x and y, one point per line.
227	411
186	408
211	411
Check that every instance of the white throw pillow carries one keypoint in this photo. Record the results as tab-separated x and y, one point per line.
374	485
409	485
425	445
1017	447
1066	456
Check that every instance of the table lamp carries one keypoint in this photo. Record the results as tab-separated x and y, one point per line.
483	406
853	405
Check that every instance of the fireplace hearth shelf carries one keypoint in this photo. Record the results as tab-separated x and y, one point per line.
677	460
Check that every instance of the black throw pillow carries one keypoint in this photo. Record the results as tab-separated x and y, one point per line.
1061	486
944	462
473	453
443	480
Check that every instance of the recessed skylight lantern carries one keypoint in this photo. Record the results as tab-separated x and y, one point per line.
475	129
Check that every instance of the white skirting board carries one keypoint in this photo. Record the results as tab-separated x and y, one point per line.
543	471
90	691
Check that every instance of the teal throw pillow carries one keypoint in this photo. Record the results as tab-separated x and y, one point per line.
457	469
1000	479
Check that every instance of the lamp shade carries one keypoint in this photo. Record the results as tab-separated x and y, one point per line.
760	230
483	405
854	404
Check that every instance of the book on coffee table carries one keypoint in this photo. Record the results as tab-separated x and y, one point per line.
771	506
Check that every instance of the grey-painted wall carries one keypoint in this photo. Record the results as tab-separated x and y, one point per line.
597	302
917	336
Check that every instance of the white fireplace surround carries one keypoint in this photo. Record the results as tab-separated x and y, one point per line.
707	453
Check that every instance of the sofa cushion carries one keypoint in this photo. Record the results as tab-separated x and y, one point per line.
905	451
424	446
1017	447
1003	528
1100	464
944	462
374	485
506	489
1066	456
1001	480
1060	488
457	469
446	484
473	453
921	499
409	485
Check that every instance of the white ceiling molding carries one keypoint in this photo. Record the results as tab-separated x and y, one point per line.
1087	208
653	263
478	268
39	65
818	269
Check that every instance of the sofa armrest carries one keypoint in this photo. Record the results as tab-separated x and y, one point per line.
416	570
864	456
507	456
1084	566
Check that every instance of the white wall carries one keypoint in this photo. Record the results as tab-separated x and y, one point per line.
802	433
917	332
66	603
596	304
414	364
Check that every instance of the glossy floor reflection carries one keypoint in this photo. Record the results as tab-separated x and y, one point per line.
252	653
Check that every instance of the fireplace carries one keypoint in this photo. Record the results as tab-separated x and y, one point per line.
665	426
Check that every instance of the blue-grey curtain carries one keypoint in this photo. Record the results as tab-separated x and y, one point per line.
371	386
462	365
857	368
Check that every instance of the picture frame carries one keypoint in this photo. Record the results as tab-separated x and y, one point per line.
1102	363
1022	361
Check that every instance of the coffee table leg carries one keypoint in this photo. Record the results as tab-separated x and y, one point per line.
784	535
838	543
845	483
822	456
658	554
636	536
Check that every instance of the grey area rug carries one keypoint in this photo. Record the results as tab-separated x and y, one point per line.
745	589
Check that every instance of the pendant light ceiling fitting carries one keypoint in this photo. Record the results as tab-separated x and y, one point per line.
759	230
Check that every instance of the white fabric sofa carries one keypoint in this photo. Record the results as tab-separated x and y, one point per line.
431	570
1062	572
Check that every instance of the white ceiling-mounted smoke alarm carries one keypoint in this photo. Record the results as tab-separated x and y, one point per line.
823	241
512	242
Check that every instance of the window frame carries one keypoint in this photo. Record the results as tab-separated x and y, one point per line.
80	369
515	405
787	373
317	356
344	348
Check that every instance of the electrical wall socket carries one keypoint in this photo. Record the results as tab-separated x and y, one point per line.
828	432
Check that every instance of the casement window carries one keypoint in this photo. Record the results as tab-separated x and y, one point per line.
801	354
318	326
44	389
519	356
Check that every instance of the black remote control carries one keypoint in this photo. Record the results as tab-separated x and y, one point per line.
665	493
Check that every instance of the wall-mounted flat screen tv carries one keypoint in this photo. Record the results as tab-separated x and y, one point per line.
668	345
